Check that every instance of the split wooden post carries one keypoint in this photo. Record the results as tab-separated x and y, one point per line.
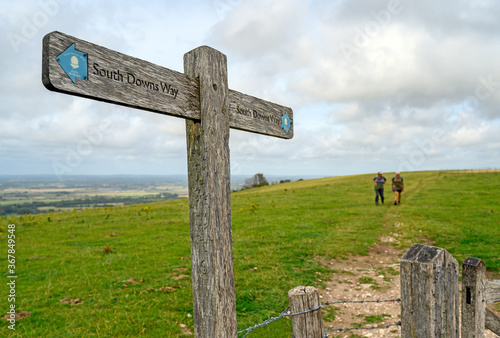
492	321
210	198
492	292
429	293
309	324
473	297
476	294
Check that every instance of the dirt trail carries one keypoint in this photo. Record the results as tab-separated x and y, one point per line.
371	277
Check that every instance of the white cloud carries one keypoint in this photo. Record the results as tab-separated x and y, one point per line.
371	83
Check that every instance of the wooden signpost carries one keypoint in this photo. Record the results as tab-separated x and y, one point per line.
114	77
202	97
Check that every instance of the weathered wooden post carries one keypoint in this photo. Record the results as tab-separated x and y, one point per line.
477	292
210	197
429	293
309	324
201	96
492	321
492	291
473	297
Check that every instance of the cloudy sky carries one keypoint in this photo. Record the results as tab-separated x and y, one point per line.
374	85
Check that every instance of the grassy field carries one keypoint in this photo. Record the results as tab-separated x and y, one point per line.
128	268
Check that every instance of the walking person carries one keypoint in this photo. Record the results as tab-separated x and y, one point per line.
398	187
379	182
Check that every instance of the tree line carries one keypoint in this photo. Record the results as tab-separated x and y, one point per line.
258	180
79	203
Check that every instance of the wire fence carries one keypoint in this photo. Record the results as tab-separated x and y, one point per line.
286	313
364	328
470	171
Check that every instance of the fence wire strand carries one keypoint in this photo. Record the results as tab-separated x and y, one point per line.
264	323
365	328
398	300
285	313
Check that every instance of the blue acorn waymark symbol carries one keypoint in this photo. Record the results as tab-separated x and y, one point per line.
285	122
74	63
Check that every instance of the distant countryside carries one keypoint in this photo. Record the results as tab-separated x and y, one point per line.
21	195
40	194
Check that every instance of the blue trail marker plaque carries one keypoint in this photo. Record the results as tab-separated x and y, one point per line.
74	63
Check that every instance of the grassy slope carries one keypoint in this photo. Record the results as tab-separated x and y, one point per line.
278	232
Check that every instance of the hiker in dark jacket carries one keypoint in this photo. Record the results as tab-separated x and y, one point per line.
379	182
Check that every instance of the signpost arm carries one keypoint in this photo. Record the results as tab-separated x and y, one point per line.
214	304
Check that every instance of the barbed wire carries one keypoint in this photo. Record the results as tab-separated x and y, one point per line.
365	328
398	300
285	313
469	170
264	323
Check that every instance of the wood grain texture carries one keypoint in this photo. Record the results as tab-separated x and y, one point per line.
429	293
473	297
120	91
492	321
121	79
310	324
214	303
493	291
249	113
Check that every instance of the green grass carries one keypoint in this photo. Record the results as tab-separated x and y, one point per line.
138	286
328	313
371	319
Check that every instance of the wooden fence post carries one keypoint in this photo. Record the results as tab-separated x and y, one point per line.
473	297
310	324
492	291
429	293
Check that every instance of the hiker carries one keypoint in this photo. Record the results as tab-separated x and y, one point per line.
379	182
398	187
